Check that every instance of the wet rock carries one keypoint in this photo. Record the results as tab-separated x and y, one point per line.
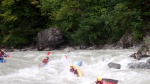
40	48
9	50
114	65
127	41
83	47
68	49
92	48
133	55
148	61
140	65
144	50
76	47
138	56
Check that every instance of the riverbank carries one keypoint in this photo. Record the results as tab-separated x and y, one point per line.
69	48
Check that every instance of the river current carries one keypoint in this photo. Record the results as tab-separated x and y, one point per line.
22	67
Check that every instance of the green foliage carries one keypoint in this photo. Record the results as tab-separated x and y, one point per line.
14	40
21	22
87	22
95	22
6	6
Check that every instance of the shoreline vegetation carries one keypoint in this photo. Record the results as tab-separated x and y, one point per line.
100	24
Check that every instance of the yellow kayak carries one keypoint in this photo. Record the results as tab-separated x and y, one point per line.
79	73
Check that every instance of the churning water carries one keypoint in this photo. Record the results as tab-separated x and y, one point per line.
22	67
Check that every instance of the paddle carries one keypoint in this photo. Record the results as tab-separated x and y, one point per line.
8	56
48	54
66	56
39	64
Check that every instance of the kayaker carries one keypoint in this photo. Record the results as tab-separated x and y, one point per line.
98	81
72	69
2	54
45	60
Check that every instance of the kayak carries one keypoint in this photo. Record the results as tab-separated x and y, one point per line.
79	73
76	67
42	64
1	61
109	81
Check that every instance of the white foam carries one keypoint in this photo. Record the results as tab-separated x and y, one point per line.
24	67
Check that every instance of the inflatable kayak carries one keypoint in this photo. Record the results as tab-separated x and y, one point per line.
79	73
77	69
109	81
42	64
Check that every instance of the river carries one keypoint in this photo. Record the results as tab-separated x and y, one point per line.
22	67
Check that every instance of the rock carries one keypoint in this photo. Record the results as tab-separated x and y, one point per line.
68	49
40	48
114	65
76	47
144	50
140	65
127	41
92	48
148	61
9	50
49	38
133	55
83	47
141	53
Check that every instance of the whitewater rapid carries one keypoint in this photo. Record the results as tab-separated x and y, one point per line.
22	67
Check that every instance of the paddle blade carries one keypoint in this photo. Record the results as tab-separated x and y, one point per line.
48	53
8	56
66	56
39	64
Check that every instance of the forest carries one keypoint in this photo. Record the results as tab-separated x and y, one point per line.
83	22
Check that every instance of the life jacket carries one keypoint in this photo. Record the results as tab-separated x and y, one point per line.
45	61
1	55
72	69
98	82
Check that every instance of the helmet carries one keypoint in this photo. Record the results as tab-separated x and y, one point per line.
71	65
47	57
99	79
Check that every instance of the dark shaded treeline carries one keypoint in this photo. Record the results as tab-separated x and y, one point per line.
83	22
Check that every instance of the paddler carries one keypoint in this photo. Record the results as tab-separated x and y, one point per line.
2	54
72	69
45	60
98	81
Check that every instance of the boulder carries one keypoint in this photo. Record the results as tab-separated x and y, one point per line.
68	49
127	41
9	50
144	51
148	61
140	65
114	65
49	38
138	56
